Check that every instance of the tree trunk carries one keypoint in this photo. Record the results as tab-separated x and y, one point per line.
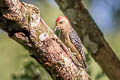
23	23
91	37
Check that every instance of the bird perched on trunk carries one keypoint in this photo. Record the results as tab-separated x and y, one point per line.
70	38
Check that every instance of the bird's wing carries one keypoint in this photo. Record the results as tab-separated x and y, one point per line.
77	42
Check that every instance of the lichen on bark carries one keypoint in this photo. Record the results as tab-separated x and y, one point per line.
23	23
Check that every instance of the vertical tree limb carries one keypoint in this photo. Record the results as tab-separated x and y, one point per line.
23	23
91	36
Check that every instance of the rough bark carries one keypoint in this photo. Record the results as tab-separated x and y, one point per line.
23	23
91	37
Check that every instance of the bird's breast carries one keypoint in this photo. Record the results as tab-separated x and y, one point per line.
63	38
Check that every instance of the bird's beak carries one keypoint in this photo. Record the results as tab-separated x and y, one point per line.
55	29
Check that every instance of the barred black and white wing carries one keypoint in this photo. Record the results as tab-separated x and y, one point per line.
77	43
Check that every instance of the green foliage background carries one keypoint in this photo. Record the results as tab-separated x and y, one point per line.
16	64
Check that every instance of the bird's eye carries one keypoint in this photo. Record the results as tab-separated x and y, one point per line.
60	22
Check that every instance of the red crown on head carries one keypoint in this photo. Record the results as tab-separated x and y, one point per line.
59	18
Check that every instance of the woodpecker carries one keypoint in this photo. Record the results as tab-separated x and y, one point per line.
70	38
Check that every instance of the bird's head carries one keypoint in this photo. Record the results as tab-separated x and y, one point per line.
62	23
